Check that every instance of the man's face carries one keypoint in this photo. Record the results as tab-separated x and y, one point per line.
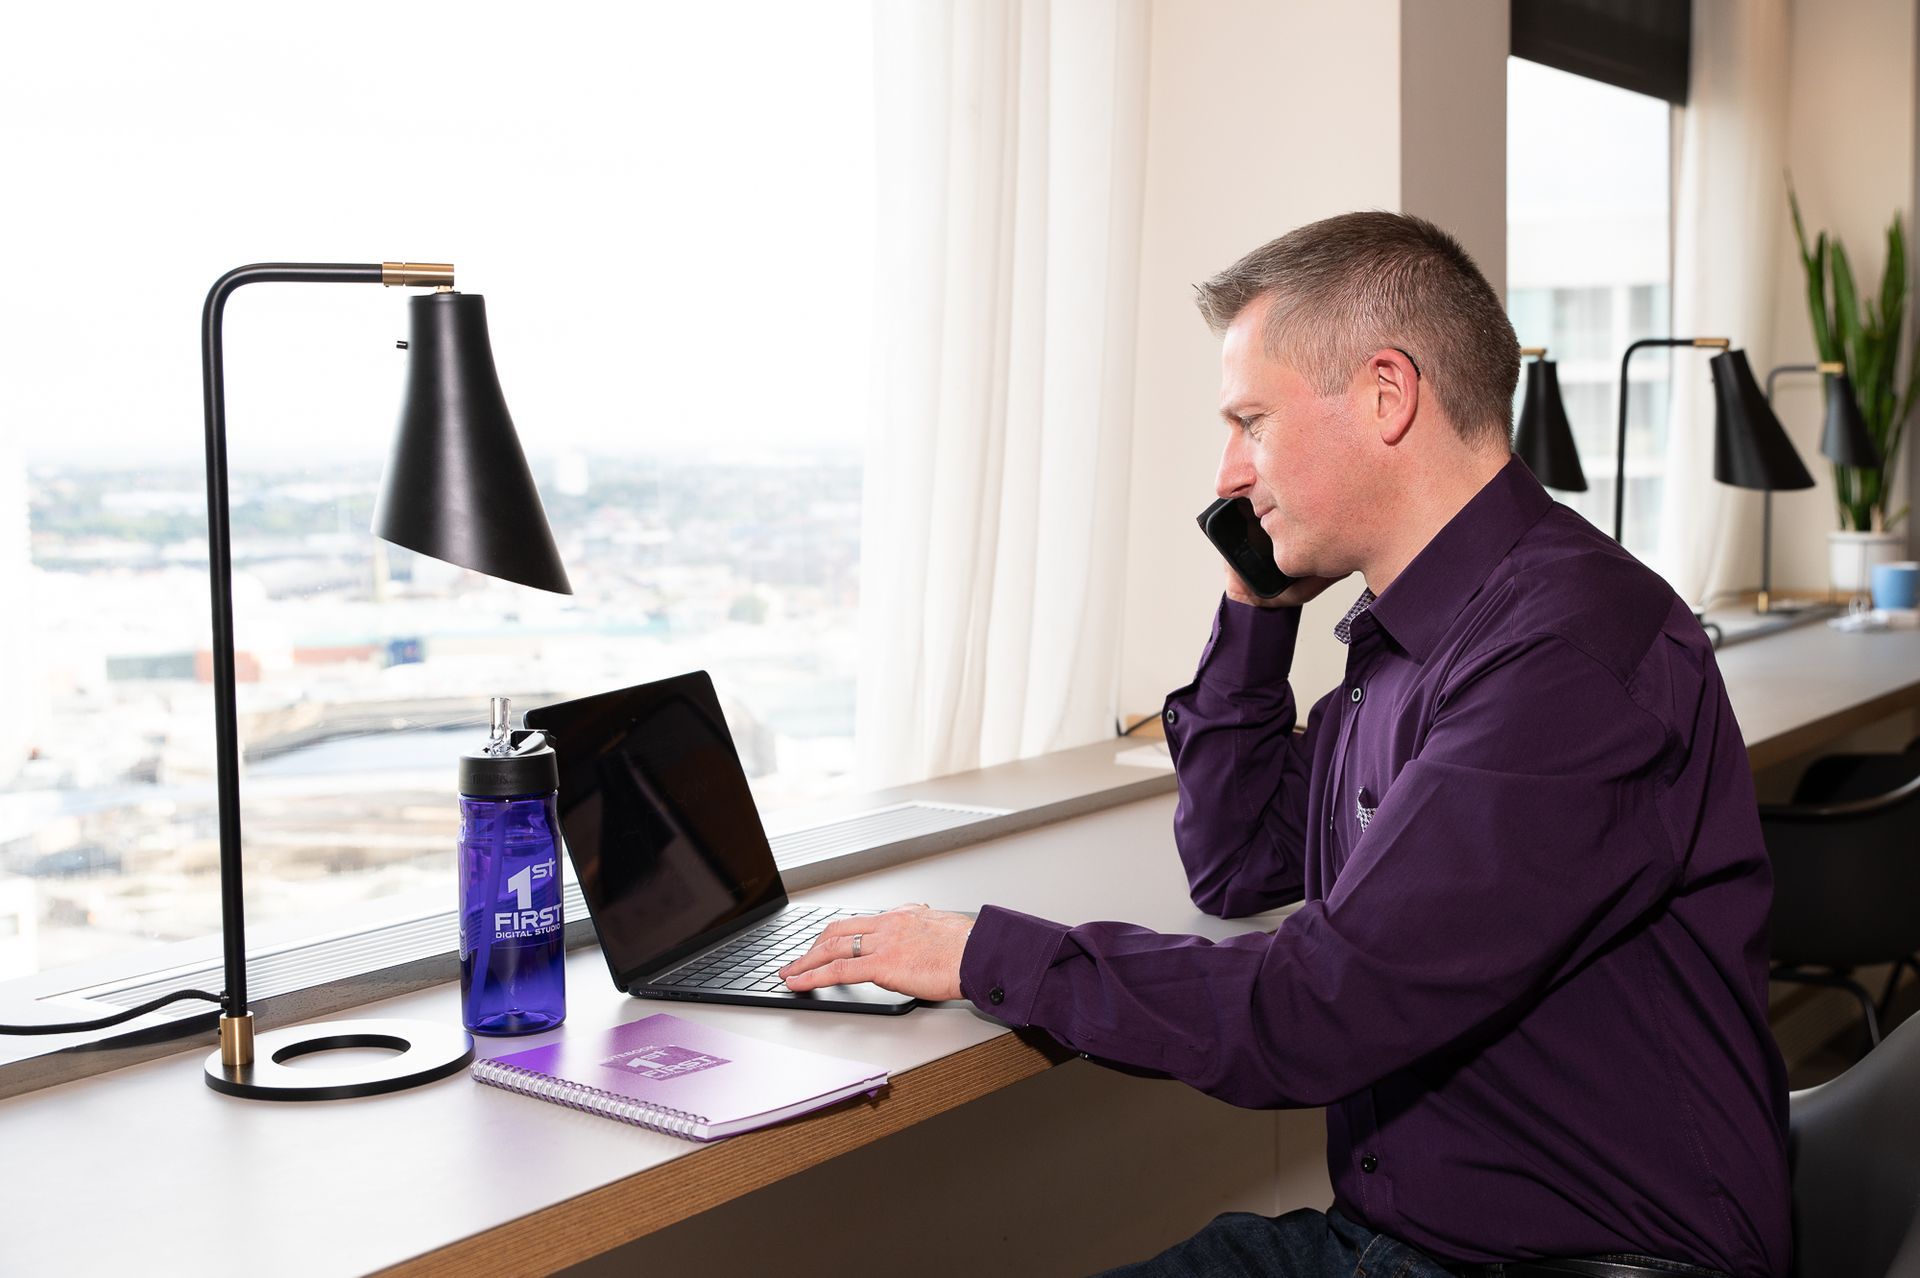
1290	451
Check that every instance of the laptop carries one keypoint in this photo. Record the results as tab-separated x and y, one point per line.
672	859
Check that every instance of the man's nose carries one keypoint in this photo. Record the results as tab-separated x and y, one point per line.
1235	477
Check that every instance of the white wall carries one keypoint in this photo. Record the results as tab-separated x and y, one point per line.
1453	125
1264	116
1851	149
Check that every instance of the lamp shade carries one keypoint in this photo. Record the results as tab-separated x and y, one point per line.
1544	440
1750	450
1845	440
457	486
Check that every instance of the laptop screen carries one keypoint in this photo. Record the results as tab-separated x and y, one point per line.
659	822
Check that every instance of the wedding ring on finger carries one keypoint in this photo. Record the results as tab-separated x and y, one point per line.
856	944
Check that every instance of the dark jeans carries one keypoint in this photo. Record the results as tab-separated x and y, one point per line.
1300	1244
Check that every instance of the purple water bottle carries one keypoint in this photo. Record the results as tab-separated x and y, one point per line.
513	973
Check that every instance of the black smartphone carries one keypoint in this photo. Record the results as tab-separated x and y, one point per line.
1229	524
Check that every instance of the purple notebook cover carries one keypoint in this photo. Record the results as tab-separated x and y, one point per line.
681	1077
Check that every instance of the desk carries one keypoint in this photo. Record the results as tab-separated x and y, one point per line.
447	1179
1800	688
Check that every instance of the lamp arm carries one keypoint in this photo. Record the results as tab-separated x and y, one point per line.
1773	374
1620	456
1765	601
220	568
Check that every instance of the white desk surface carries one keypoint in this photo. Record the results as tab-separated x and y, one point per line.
147	1170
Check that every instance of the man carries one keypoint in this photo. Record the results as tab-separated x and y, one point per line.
1528	977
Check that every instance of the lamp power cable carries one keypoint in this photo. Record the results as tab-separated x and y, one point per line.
118	1018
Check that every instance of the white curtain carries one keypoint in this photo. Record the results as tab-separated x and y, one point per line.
1730	212
1011	152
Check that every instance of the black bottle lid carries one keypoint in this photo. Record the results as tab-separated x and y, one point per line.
529	767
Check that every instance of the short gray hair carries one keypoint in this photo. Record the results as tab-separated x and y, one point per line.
1350	285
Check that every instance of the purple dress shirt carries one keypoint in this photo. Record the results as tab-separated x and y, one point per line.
1528	979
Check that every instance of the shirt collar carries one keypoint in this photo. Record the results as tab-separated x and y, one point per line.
1429	593
1343	629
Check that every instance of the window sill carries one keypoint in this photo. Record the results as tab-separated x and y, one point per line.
320	977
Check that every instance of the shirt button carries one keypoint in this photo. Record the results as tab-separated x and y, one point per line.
996	996
1173	716
1368	1163
1357	694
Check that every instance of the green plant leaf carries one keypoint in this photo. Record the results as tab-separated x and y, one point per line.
1866	333
1893	280
1893	309
1813	264
1799	228
1816	268
1846	310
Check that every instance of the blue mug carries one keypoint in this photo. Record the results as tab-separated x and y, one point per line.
1895	584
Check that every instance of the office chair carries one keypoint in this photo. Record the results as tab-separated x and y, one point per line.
1856	1180
1846	875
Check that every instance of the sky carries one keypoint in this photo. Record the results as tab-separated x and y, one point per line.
668	208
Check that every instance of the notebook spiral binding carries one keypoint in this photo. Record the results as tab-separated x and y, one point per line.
659	1118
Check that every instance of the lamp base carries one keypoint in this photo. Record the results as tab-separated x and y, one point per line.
425	1051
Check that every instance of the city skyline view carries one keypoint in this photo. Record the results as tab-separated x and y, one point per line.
364	672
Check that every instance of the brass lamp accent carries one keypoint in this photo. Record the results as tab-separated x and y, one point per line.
416	274
236	1040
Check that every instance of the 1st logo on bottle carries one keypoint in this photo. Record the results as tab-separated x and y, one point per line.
524	920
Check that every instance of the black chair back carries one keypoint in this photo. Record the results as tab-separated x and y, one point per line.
1846	879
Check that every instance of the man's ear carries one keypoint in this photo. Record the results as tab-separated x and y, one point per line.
1393	393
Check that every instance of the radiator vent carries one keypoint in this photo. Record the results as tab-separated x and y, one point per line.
308	964
436	936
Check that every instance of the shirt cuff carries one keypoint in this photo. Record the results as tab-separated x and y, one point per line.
1007	956
1251	647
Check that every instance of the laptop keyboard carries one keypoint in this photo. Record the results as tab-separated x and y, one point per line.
750	962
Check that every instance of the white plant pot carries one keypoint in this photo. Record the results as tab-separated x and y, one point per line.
1852	555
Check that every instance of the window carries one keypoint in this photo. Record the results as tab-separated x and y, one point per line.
1589	270
669	210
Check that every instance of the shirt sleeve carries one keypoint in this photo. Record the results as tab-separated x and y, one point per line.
1240	824
1525	835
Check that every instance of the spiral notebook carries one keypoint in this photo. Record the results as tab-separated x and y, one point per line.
681	1077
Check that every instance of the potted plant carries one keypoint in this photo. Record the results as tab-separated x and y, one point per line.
1865	336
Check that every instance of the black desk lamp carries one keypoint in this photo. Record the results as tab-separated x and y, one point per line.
1620	481
456	488
1750	450
1543	439
1845	441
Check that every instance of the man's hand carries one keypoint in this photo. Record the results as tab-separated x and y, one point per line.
910	949
1293	596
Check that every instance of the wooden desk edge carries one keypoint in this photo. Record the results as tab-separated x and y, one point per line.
1810	736
602	1219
